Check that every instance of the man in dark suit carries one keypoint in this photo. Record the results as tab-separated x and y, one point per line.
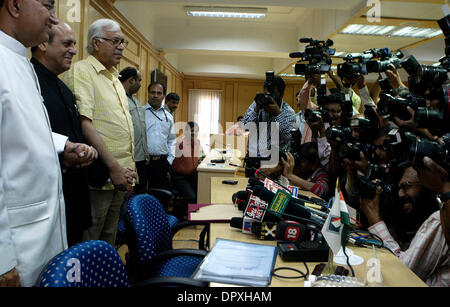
49	60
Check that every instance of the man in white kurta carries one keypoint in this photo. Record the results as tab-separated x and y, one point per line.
32	216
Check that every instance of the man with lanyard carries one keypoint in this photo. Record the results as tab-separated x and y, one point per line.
161	138
131	80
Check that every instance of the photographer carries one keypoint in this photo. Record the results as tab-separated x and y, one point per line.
428	253
305	170
350	74
270	109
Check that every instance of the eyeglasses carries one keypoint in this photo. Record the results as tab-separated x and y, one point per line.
116	41
406	185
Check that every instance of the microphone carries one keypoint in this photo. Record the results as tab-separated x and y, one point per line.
265	176
240	198
296	55
298	205
292	207
313	220
284	230
252	181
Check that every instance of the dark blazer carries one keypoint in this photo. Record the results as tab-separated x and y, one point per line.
65	119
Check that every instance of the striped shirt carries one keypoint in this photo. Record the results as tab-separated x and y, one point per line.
100	96
320	178
427	256
284	122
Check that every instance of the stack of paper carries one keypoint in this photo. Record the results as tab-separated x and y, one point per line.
238	263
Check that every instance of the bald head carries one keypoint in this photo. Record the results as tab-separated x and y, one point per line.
58	52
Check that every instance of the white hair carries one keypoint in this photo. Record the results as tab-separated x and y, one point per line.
98	29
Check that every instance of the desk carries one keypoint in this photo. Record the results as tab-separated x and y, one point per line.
394	272
223	192
206	172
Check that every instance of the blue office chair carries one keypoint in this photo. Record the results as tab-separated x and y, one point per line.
87	264
120	235
149	240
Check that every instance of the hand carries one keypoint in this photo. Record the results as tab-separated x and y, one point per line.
269	172
121	178
360	81
371	208
318	128
131	175
359	165
273	109
78	155
10	279
410	123
433	176
394	77
288	165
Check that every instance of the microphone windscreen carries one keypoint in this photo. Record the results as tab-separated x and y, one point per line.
234	197
296	54
252	181
236	222
242	195
263	193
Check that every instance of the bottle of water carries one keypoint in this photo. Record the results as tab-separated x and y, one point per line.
228	154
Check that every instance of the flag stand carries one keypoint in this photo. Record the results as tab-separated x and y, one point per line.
330	268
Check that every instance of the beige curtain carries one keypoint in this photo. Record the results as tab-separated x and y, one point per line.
204	109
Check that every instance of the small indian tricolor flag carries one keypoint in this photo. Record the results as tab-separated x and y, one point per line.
336	227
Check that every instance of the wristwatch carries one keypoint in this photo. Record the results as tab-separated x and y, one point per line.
444	198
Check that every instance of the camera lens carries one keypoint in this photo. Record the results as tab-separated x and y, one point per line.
421	148
429	118
431	74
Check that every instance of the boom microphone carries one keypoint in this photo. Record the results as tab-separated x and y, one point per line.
296	55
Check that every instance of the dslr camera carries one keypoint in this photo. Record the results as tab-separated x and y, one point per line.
420	148
317	53
264	99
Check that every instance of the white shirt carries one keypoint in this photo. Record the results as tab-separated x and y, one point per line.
161	138
32	212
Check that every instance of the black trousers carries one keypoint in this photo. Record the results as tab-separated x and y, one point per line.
159	174
187	185
141	187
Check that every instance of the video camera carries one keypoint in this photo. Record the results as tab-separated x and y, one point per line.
264	99
355	65
317	53
384	58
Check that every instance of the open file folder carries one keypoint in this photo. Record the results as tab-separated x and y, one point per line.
234	262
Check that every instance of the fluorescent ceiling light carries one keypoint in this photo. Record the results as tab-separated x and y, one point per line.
290	75
417	32
226	12
367	29
358	29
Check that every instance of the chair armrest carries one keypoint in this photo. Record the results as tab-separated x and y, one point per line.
168	254
185	224
162	191
203	234
171	281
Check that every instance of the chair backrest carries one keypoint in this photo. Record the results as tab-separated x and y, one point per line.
147	228
87	264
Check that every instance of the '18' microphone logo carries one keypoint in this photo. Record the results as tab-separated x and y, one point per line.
292	233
